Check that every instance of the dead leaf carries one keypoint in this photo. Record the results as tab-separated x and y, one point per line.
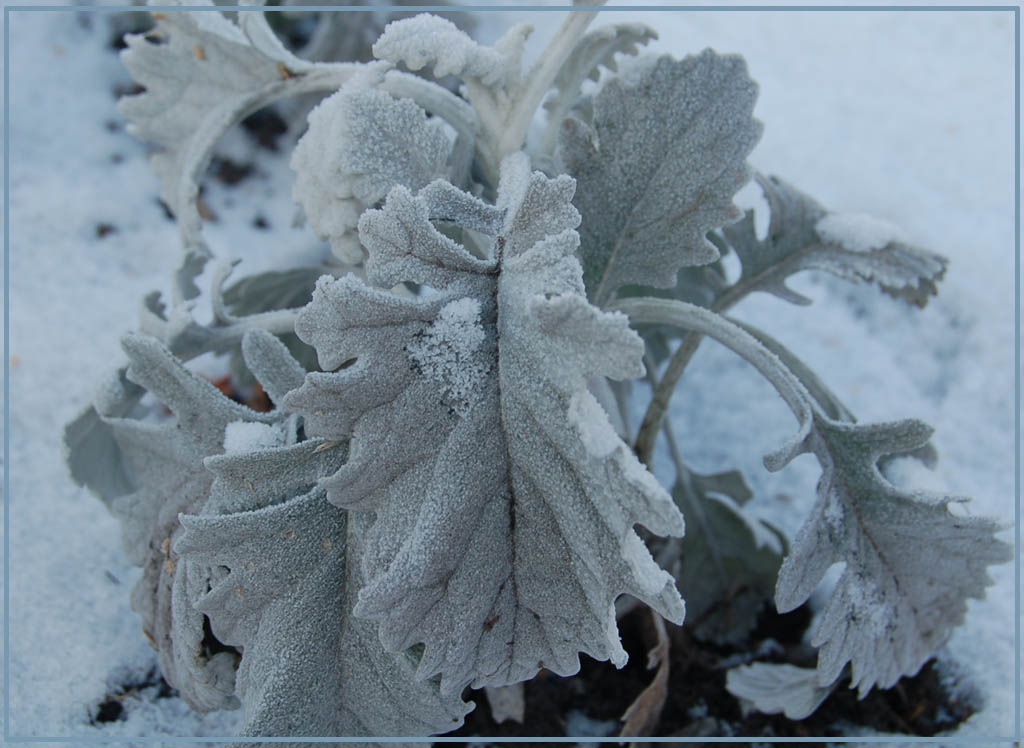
643	714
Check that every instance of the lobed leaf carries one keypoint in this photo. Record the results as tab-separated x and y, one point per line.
775	688
431	40
275	567
659	167
202	75
503	500
802	235
361	142
910	564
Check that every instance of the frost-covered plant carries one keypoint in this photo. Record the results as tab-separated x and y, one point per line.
448	497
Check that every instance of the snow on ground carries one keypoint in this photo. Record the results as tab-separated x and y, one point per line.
904	116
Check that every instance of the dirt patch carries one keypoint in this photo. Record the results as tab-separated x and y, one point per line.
698	704
111	707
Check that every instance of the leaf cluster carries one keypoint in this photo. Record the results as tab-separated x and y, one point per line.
447	492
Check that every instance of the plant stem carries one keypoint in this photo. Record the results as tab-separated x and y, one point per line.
646	310
656	409
540	78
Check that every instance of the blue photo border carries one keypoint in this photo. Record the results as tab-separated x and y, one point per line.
1015	9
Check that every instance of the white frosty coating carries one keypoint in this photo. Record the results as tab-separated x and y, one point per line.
426	39
499	541
858	232
360	143
869	604
590	420
445	352
834	515
245	436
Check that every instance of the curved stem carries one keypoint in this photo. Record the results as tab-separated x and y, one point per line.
647	310
658	406
661	395
196	152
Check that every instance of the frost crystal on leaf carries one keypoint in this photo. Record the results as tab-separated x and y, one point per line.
501	537
446	353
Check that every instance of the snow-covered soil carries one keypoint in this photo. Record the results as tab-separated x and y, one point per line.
904	115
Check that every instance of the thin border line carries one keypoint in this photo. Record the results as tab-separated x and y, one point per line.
7	376
519	8
885	739
1016	364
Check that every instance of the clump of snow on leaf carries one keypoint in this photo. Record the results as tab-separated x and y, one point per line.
245	436
445	353
858	232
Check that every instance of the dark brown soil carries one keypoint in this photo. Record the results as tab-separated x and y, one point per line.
111	707
698	704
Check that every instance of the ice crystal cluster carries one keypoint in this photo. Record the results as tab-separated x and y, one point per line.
447	496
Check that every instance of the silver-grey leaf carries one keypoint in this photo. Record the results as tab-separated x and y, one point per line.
911	564
504	501
202	75
659	168
271	363
163	462
431	40
774	688
361	142
91	451
275	567
802	235
595	50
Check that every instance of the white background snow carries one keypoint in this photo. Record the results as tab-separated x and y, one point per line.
907	116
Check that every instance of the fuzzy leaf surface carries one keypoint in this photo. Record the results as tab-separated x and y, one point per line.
659	167
431	40
161	474
275	567
774	688
361	142
802	235
202	76
911	564
504	500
